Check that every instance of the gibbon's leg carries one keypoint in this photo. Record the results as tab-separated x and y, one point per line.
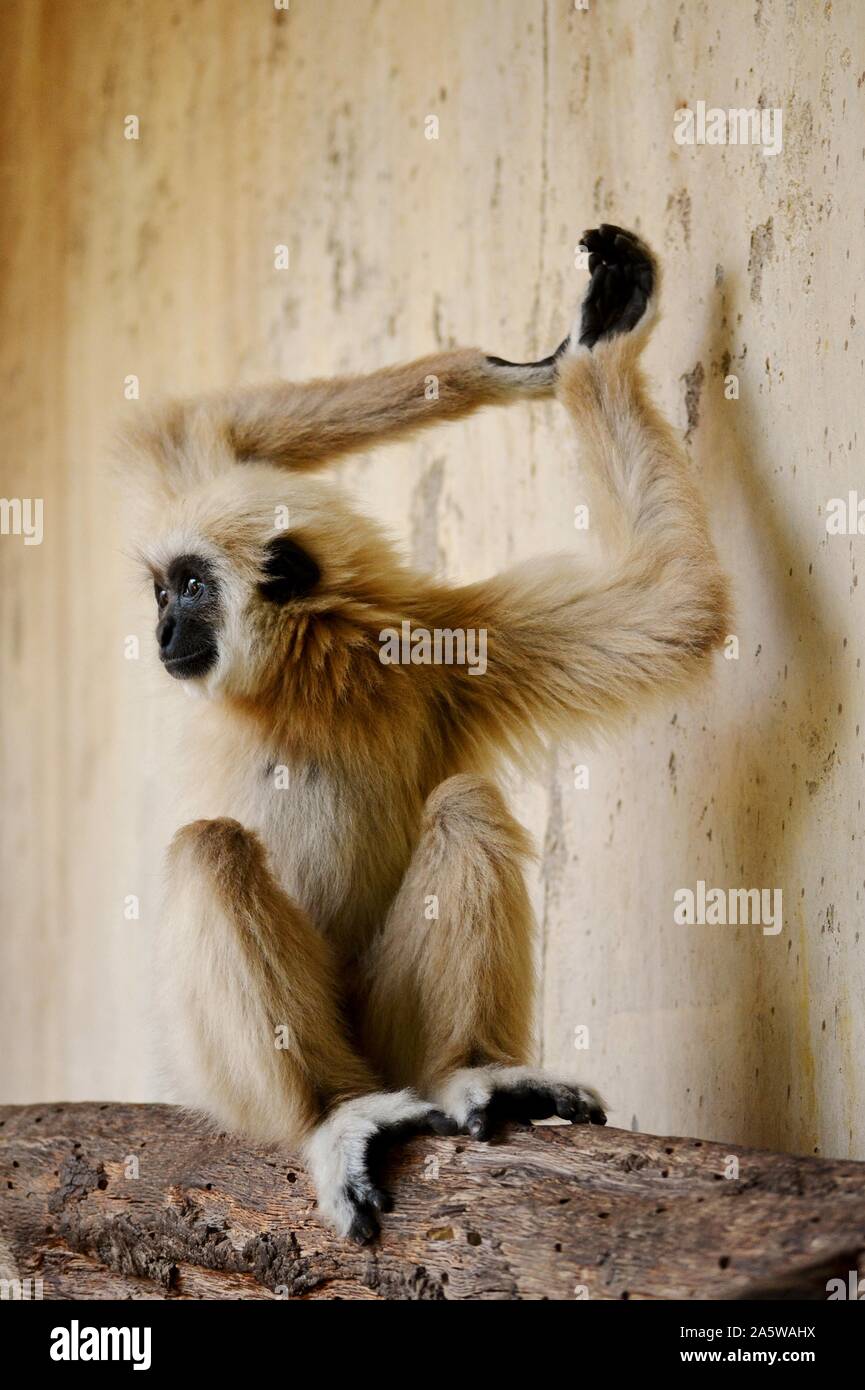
451	979
251	999
569	646
303	425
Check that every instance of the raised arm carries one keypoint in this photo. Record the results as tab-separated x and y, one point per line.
304	425
568	647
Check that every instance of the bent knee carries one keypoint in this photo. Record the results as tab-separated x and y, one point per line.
223	846
468	806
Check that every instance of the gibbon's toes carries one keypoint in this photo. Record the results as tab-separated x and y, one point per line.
364	1228
366	1200
623	279
440	1123
534	1100
579	1105
363	1192
486	1098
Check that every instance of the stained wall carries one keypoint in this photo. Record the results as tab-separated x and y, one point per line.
155	257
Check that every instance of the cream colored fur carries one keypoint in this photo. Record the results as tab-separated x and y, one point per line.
298	913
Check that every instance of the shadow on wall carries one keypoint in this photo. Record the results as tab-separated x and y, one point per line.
761	802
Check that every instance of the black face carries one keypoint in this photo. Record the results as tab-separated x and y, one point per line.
188	601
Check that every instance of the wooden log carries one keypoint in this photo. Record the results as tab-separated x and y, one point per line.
143	1202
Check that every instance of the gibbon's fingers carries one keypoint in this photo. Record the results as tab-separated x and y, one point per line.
624	277
543	373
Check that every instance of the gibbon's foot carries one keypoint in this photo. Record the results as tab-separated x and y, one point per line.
623	280
481	1099
346	1149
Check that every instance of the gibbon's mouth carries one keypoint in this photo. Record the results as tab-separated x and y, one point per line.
190	664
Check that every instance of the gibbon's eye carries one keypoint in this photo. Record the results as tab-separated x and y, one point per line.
291	571
161	595
192	587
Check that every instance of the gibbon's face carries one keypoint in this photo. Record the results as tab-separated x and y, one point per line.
253	570
187	604
192	602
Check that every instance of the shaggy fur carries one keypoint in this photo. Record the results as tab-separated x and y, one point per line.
298	912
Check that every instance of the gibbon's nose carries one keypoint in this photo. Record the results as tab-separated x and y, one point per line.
165	633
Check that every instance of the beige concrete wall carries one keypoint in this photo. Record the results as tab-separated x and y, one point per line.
155	257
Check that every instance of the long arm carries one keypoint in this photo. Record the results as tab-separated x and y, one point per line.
566	647
304	425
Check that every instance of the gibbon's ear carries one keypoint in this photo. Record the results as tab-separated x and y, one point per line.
291	571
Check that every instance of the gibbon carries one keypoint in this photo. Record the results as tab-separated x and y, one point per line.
307	995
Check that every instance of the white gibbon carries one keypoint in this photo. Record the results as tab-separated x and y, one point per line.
306	997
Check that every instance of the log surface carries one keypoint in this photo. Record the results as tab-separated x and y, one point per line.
141	1201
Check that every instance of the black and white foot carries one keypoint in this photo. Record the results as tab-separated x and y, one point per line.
344	1152
481	1099
621	292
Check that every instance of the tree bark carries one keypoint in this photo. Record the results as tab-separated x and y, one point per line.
142	1201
